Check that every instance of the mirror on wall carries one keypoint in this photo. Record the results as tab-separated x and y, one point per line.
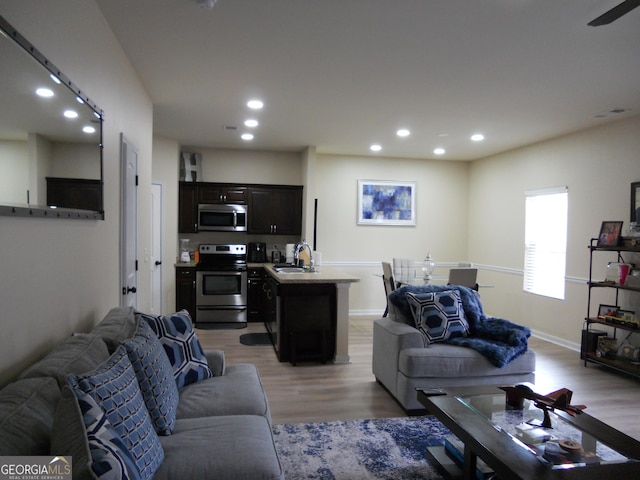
50	137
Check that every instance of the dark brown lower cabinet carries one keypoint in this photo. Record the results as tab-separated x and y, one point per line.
306	322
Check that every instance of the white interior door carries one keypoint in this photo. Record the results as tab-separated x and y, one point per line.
156	248
128	223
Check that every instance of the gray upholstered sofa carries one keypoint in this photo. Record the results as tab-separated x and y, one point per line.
404	359
218	426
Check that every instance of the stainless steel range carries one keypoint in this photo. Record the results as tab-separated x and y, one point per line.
221	285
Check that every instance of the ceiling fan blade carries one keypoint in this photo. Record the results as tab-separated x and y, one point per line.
615	13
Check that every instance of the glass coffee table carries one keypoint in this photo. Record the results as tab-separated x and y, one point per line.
494	439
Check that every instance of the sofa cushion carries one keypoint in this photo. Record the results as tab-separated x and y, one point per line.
77	354
119	325
155	377
237	392
115	389
225	447
442	360
82	431
181	344
438	315
27	408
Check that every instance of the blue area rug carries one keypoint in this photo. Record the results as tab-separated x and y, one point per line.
390	448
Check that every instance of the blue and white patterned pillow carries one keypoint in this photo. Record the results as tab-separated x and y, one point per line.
110	457
155	377
115	389
438	315
181	346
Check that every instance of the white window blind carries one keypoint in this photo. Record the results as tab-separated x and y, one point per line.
545	240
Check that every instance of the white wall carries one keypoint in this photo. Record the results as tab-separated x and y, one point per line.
166	172
597	165
62	276
14	171
441	226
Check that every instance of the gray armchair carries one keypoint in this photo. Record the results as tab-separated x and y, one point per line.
403	360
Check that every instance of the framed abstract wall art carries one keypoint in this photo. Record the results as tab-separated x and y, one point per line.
386	202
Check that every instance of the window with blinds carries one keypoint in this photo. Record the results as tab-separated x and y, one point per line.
545	241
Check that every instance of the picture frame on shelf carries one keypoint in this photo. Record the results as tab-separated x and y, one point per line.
386	202
609	233
635	203
607	311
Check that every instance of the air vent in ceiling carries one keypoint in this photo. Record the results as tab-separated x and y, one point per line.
610	113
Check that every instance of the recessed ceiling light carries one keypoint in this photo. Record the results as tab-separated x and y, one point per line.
55	79
439	151
477	137
88	129
251	123
246	137
403	132
70	114
375	147
44	92
255	104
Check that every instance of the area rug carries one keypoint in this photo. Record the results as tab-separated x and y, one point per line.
391	448
255	339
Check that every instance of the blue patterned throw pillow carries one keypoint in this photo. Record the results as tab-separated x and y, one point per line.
155	377
438	315
115	389
181	346
110	457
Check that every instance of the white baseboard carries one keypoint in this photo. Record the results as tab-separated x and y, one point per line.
557	340
368	312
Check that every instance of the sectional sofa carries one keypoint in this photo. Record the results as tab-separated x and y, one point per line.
139	398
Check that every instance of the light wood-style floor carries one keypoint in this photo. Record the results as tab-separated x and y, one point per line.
313	392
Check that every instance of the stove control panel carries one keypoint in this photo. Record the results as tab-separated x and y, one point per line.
227	249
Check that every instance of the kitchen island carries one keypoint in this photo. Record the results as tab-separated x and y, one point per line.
309	307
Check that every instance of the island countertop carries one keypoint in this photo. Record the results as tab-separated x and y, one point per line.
323	275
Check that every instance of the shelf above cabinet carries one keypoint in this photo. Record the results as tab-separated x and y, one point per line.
611	324
632	288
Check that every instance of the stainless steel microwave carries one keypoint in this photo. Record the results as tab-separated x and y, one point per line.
222	218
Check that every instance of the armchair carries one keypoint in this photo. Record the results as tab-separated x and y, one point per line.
403	359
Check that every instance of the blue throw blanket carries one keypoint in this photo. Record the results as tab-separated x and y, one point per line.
499	340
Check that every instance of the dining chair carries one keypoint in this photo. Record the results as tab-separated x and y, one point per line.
463	276
404	269
389	283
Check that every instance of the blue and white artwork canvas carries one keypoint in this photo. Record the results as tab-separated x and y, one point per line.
383	202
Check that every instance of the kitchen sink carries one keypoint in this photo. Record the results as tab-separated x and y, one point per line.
288	269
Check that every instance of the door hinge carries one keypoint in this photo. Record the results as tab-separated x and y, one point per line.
136	265
136	180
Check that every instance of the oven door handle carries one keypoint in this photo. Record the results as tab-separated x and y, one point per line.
235	219
223	307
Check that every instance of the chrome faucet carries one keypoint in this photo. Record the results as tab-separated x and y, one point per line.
296	254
